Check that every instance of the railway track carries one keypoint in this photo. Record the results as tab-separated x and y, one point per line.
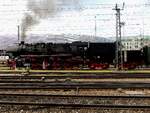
76	101
66	106
99	72
72	96
77	76
71	85
56	82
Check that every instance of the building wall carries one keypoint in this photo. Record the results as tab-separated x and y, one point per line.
134	44
131	44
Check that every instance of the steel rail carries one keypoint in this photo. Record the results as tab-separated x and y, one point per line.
83	76
75	105
76	96
75	72
74	85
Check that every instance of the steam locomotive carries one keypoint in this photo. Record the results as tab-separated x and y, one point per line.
75	55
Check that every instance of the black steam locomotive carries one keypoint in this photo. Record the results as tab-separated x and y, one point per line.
76	55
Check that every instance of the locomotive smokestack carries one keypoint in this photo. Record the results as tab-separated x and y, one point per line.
22	42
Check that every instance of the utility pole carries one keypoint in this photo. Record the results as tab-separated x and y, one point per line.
95	26
18	34
118	53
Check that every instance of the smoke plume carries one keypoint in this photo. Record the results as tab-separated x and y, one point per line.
70	2
27	22
40	9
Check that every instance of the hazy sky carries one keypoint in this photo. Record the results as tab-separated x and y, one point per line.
79	18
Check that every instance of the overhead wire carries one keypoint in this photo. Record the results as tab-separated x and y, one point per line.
92	7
